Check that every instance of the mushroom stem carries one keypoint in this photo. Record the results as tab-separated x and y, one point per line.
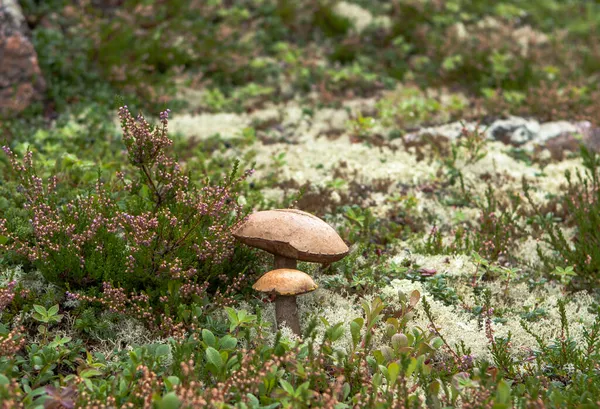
286	311
284	262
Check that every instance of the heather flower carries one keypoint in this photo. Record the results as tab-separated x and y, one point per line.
148	225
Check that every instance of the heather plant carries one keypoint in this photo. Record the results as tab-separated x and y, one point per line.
494	234
575	260
149	227
362	226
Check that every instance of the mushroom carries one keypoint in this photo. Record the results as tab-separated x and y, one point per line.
292	235
286	284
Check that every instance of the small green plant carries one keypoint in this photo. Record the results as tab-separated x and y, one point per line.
564	275
363	226
46	317
469	149
361	126
410	107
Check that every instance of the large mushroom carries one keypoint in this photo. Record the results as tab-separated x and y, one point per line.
286	284
292	235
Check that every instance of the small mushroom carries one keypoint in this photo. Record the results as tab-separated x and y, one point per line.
286	284
292	235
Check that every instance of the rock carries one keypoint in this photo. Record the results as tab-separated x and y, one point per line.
590	135
551	130
557	146
452	131
21	81
527	134
514	130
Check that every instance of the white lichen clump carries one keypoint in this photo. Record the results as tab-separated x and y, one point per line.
358	16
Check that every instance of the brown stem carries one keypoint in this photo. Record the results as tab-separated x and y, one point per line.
156	192
284	262
286	312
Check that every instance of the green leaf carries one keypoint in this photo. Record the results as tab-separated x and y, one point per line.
411	367
40	310
233	318
503	392
346	390
209	338
287	387
383	370
162	350
227	342
334	333
59	341
88	373
3	239
304	387
169	401
213	356
376	380
123	388
88	384
232	362
437	343
4	380
252	399
53	310
224	356
37	392
393	372
174	380
355	327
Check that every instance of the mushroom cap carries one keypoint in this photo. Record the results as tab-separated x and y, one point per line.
293	234
285	281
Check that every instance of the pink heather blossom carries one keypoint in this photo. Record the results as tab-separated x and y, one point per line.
178	218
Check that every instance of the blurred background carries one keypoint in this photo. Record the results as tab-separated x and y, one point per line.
539	58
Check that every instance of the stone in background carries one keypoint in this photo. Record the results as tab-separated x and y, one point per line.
21	80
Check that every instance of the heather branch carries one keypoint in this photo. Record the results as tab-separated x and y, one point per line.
427	309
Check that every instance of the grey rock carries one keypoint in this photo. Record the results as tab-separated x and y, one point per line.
514	130
550	130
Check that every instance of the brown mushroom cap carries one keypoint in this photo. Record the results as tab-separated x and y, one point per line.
285	281
293	234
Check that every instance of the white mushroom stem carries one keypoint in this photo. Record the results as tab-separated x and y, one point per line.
284	262
286	312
